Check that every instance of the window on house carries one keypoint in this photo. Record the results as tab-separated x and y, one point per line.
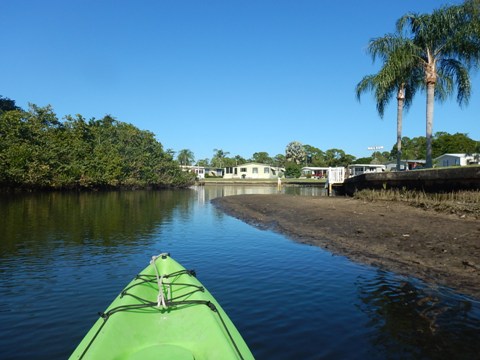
255	170
243	169
266	170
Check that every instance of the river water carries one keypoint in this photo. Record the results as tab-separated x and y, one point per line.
65	256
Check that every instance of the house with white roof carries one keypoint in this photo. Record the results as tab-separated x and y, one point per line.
253	171
457	160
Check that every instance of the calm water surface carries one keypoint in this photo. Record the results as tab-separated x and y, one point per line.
64	257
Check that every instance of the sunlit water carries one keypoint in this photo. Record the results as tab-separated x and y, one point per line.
64	257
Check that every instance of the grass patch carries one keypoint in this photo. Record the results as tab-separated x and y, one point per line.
459	202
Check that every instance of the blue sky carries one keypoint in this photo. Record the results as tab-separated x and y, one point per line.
241	76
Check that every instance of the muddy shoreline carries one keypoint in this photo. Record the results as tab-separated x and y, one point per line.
439	248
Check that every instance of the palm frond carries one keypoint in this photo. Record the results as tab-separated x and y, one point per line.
458	73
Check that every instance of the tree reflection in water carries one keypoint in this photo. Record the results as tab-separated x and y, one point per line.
413	321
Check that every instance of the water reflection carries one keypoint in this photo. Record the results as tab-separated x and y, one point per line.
60	252
209	192
415	322
37	222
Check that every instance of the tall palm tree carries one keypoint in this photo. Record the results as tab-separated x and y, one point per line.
444	44
397	77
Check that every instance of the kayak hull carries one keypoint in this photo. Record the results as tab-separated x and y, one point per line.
182	320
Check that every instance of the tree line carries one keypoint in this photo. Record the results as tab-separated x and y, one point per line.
298	155
37	151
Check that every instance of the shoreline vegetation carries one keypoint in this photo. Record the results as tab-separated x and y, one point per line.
39	152
433	237
461	203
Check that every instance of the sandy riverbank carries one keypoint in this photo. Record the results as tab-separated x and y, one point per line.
439	248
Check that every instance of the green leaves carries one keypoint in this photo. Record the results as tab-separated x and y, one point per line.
39	151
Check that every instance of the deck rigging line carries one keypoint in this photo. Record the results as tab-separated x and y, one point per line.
163	302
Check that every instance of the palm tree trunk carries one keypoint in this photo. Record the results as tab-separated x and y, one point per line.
400	102
429	127
430	79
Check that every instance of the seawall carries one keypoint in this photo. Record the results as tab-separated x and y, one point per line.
429	180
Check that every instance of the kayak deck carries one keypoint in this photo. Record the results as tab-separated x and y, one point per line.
166	313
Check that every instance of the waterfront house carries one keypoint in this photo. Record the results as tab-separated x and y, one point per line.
253	171
214	172
358	169
405	165
315	172
198	170
457	160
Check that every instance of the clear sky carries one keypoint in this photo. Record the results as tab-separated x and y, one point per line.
243	76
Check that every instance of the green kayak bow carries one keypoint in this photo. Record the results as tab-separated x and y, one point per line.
164	313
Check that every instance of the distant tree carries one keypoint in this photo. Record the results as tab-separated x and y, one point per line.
347	160
412	149
338	157
229	162
203	162
239	160
185	157
444	143
219	157
380	157
7	104
315	156
170	153
295	152
293	170
261	157
363	160
279	160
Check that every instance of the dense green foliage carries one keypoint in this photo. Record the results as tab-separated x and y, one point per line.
7	104
39	151
293	170
442	143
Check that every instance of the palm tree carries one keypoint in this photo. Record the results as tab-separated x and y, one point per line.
295	152
185	157
219	157
444	45
397	77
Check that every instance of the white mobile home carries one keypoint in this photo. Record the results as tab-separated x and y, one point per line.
405	165
315	172
253	171
358	169
198	170
457	160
